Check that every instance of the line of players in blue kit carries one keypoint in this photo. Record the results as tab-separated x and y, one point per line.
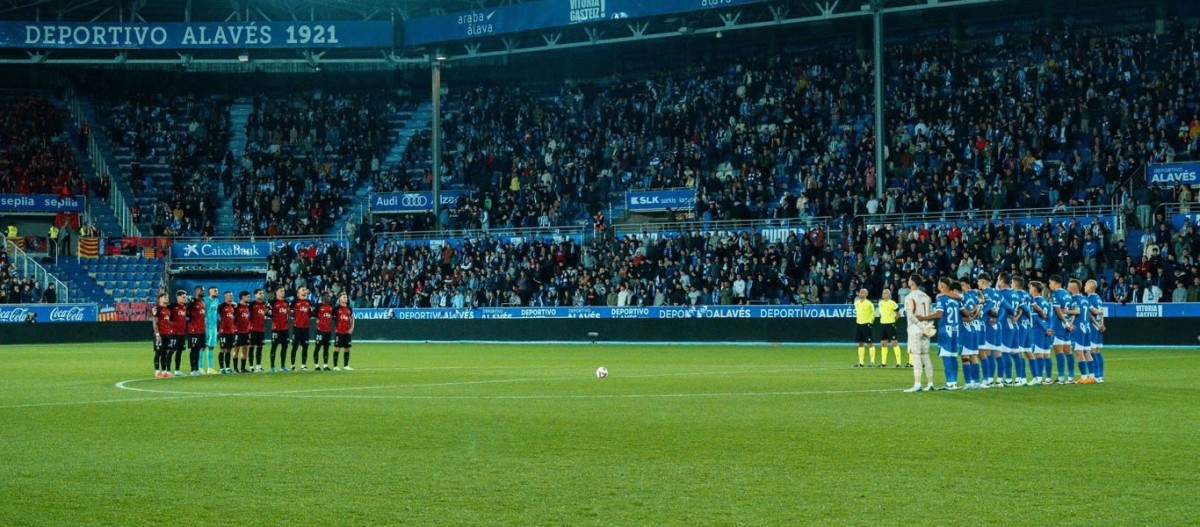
1004	335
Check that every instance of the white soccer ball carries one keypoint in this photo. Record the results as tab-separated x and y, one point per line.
601	372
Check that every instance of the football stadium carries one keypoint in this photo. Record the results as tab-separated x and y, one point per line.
599	262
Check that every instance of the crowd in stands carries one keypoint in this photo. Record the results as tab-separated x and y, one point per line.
799	265
320	266
523	157
305	156
15	289
1060	118
189	135
35	155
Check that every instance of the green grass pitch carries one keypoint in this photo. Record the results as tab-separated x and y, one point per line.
526	435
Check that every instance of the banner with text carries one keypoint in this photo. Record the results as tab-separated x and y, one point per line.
241	36
833	311
40	203
1187	174
219	250
38	313
655	200
529	16
410	202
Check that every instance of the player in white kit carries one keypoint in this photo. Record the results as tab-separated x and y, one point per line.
917	304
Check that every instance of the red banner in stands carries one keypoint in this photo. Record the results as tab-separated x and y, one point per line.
131	312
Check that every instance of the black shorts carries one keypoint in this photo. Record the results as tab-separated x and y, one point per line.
162	343
863	333
324	338
299	335
256	338
228	340
242	339
176	343
343	340
887	332
196	340
279	336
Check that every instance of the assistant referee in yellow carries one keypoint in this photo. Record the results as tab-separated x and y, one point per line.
887	327
864	314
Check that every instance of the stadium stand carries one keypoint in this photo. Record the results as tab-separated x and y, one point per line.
305	156
965	138
791	134
168	148
35	157
111	278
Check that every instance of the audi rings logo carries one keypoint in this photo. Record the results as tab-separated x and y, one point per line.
414	200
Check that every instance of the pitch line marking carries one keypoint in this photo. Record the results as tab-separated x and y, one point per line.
322	393
107	401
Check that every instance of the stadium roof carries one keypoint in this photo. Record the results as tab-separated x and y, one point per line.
709	21
218	10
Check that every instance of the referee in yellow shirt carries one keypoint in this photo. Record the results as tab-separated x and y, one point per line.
887	327
864	314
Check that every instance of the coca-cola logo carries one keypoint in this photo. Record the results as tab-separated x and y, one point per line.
69	314
47	313
14	314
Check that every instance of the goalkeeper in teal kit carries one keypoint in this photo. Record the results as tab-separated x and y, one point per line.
210	330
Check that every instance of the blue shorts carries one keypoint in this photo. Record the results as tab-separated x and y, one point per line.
969	341
991	336
1097	338
1042	342
1009	337
947	345
1079	337
1026	341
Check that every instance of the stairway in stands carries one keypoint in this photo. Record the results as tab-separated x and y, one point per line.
239	115
102	212
404	125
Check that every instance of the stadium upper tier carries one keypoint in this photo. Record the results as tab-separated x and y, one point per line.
1066	117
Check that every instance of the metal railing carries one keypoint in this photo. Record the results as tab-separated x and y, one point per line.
116	198
564	230
27	266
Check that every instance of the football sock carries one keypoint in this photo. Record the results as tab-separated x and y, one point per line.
872	352
335	358
326	361
1035	367
1061	360
986	365
896	352
861	352
194	359
1083	368
1047	367
346	359
1020	360
1098	363
950	365
1070	364
258	356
